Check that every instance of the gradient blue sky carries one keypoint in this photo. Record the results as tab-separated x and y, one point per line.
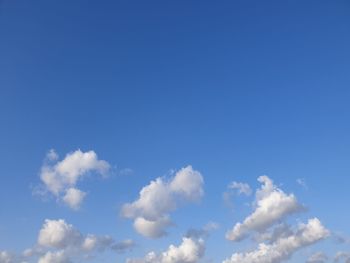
237	89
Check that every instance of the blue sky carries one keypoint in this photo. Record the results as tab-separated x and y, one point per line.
236	89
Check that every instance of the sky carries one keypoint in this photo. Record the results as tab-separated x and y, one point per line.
174	131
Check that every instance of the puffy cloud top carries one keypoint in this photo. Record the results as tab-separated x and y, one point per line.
60	177
58	234
160	197
66	240
271	205
189	251
284	247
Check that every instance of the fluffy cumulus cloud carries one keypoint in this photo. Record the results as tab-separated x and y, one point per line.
191	250
271	206
59	241
61	177
58	234
152	228
272	237
283	248
318	257
74	197
156	200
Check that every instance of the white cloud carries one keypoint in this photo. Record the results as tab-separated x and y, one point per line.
54	257
52	155
58	234
242	188
189	251
74	197
188	184
152	228
342	256
284	247
66	241
89	243
271	205
156	200
6	257
60	177
318	257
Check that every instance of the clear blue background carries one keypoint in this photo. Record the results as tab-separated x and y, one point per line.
235	88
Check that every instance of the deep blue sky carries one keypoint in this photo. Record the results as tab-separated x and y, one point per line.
235	88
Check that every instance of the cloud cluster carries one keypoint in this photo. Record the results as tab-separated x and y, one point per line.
59	241
266	225
271	206
60	177
191	250
161	196
277	240
283	248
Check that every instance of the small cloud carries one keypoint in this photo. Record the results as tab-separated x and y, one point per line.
52	155
74	197
242	188
150	211
271	206
60	177
59	241
235	187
